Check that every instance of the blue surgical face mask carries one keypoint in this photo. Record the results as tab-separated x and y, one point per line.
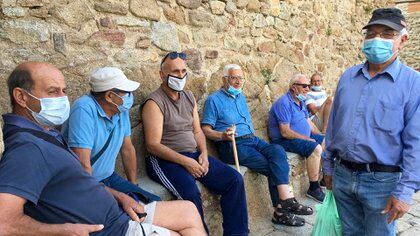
234	91
378	50
54	111
301	97
316	88
128	100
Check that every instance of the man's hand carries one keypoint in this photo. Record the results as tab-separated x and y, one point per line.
193	167
130	206
328	181
80	229
229	133
310	139
395	209
203	160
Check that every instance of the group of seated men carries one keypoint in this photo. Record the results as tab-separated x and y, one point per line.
65	183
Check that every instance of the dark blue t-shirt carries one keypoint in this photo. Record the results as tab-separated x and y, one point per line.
57	189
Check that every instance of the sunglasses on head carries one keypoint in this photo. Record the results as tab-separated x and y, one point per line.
303	85
174	55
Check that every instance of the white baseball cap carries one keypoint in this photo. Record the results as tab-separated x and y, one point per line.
107	78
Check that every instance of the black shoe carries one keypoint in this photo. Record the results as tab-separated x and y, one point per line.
322	183
317	194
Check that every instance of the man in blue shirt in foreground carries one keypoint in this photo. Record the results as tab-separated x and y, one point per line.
226	107
43	188
373	137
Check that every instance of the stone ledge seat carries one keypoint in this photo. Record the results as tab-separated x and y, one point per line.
258	198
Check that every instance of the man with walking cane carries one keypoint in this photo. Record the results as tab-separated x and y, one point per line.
373	133
227	107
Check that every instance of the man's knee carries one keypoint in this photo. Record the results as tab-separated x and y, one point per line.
190	213
317	151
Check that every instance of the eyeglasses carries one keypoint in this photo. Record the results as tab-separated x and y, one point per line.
174	55
386	34
239	78
303	85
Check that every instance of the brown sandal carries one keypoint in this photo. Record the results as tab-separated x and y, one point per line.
294	207
283	217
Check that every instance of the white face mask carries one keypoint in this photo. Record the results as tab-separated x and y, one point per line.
54	111
177	83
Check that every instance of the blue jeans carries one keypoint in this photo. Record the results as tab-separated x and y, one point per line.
360	198
122	185
261	157
221	180
300	146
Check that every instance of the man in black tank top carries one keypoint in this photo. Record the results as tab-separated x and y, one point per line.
174	137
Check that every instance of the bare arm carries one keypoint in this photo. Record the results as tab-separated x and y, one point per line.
128	154
288	133
314	129
313	109
14	222
84	158
153	128
216	135
198	132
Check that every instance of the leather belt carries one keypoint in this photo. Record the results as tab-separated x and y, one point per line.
244	136
369	167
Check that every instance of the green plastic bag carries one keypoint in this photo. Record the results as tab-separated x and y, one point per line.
327	221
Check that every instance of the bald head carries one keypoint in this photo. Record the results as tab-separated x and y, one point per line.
41	79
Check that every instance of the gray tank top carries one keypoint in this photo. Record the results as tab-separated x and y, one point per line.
177	120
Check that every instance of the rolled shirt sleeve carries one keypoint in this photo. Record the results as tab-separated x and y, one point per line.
81	128
209	113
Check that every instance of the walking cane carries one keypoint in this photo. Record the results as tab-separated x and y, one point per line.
235	152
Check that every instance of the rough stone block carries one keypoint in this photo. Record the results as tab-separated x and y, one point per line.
59	42
194	59
200	18
112	36
191	4
25	31
217	7
165	36
253	6
213	54
147	9
30	3
14	11
116	7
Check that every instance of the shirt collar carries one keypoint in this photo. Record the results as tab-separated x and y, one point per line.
392	69
23	122
292	100
228	94
102	113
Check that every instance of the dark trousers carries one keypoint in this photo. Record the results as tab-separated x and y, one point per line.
122	185
261	157
221	179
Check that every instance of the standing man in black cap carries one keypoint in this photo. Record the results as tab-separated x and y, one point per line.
373	135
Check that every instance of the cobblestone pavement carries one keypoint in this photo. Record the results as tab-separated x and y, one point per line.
409	225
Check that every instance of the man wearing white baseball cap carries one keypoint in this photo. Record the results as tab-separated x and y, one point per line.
98	129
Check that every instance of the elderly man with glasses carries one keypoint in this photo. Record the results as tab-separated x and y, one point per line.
178	148
226	113
290	126
373	134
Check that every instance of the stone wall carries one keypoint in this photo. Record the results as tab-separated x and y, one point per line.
270	39
411	53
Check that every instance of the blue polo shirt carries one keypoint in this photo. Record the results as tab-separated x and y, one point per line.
286	111
222	110
89	127
57	189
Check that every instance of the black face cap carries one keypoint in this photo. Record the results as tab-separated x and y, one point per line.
391	17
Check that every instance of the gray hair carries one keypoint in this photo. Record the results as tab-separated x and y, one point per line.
230	67
404	32
295	78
